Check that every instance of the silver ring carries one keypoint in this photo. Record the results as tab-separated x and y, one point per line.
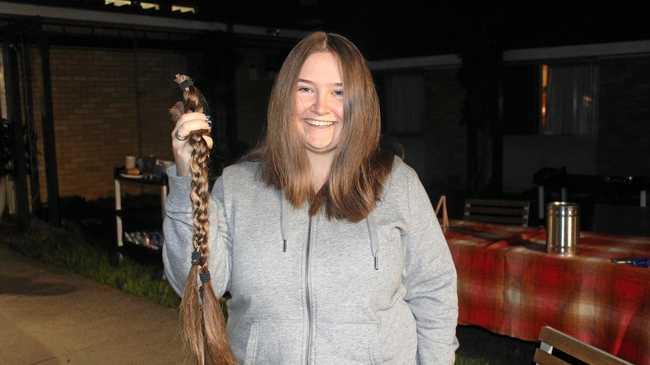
178	137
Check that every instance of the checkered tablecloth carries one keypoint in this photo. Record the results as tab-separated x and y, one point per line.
511	286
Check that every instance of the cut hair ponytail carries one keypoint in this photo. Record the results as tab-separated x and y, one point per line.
203	326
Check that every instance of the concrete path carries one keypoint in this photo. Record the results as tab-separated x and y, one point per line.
52	317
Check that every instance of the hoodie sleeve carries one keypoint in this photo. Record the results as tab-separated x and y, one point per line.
177	229
430	278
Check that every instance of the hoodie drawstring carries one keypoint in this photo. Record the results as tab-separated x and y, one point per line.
370	223
283	221
372	233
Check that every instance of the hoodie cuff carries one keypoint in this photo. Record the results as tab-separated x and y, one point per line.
180	188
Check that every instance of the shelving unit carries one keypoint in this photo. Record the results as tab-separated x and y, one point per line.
119	179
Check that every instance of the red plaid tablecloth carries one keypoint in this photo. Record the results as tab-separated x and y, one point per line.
513	287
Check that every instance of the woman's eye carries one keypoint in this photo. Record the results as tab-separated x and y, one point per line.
304	89
338	93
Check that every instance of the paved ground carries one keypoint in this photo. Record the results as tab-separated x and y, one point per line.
53	317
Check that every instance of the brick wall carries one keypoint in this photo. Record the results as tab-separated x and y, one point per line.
107	103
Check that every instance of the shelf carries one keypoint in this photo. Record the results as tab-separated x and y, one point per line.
137	238
151	240
146	179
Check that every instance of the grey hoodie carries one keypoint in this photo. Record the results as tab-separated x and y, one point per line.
317	291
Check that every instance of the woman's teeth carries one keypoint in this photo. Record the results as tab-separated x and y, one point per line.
320	123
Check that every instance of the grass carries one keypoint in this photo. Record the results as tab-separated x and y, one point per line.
461	360
67	248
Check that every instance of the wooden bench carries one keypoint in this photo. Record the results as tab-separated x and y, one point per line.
497	211
551	339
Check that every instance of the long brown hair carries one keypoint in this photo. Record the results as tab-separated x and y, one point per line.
359	169
201	319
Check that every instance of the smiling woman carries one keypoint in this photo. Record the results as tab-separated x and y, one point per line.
327	244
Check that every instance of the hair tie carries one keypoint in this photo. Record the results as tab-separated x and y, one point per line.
196	257
204	276
185	84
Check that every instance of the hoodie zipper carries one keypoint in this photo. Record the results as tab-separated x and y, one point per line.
307	293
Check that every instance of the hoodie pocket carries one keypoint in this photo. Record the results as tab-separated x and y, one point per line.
273	341
348	343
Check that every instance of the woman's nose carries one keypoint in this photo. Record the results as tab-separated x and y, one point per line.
320	105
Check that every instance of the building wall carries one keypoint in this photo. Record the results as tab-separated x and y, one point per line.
107	103
624	129
423	113
524	155
254	84
621	146
447	134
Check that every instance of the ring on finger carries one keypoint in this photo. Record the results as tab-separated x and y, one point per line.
178	136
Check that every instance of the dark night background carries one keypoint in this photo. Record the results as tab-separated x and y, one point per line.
407	29
461	93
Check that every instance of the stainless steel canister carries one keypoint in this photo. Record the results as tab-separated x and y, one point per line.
562	228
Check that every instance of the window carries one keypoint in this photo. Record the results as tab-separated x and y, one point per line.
183	9
147	6
135	3
568	103
117	3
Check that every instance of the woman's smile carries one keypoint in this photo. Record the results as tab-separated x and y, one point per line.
319	123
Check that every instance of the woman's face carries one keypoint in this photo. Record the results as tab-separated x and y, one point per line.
318	96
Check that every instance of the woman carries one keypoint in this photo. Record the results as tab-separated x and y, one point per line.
328	246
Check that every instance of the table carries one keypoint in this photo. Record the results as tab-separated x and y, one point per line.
508	284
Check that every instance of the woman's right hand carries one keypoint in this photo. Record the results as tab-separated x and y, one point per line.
180	142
